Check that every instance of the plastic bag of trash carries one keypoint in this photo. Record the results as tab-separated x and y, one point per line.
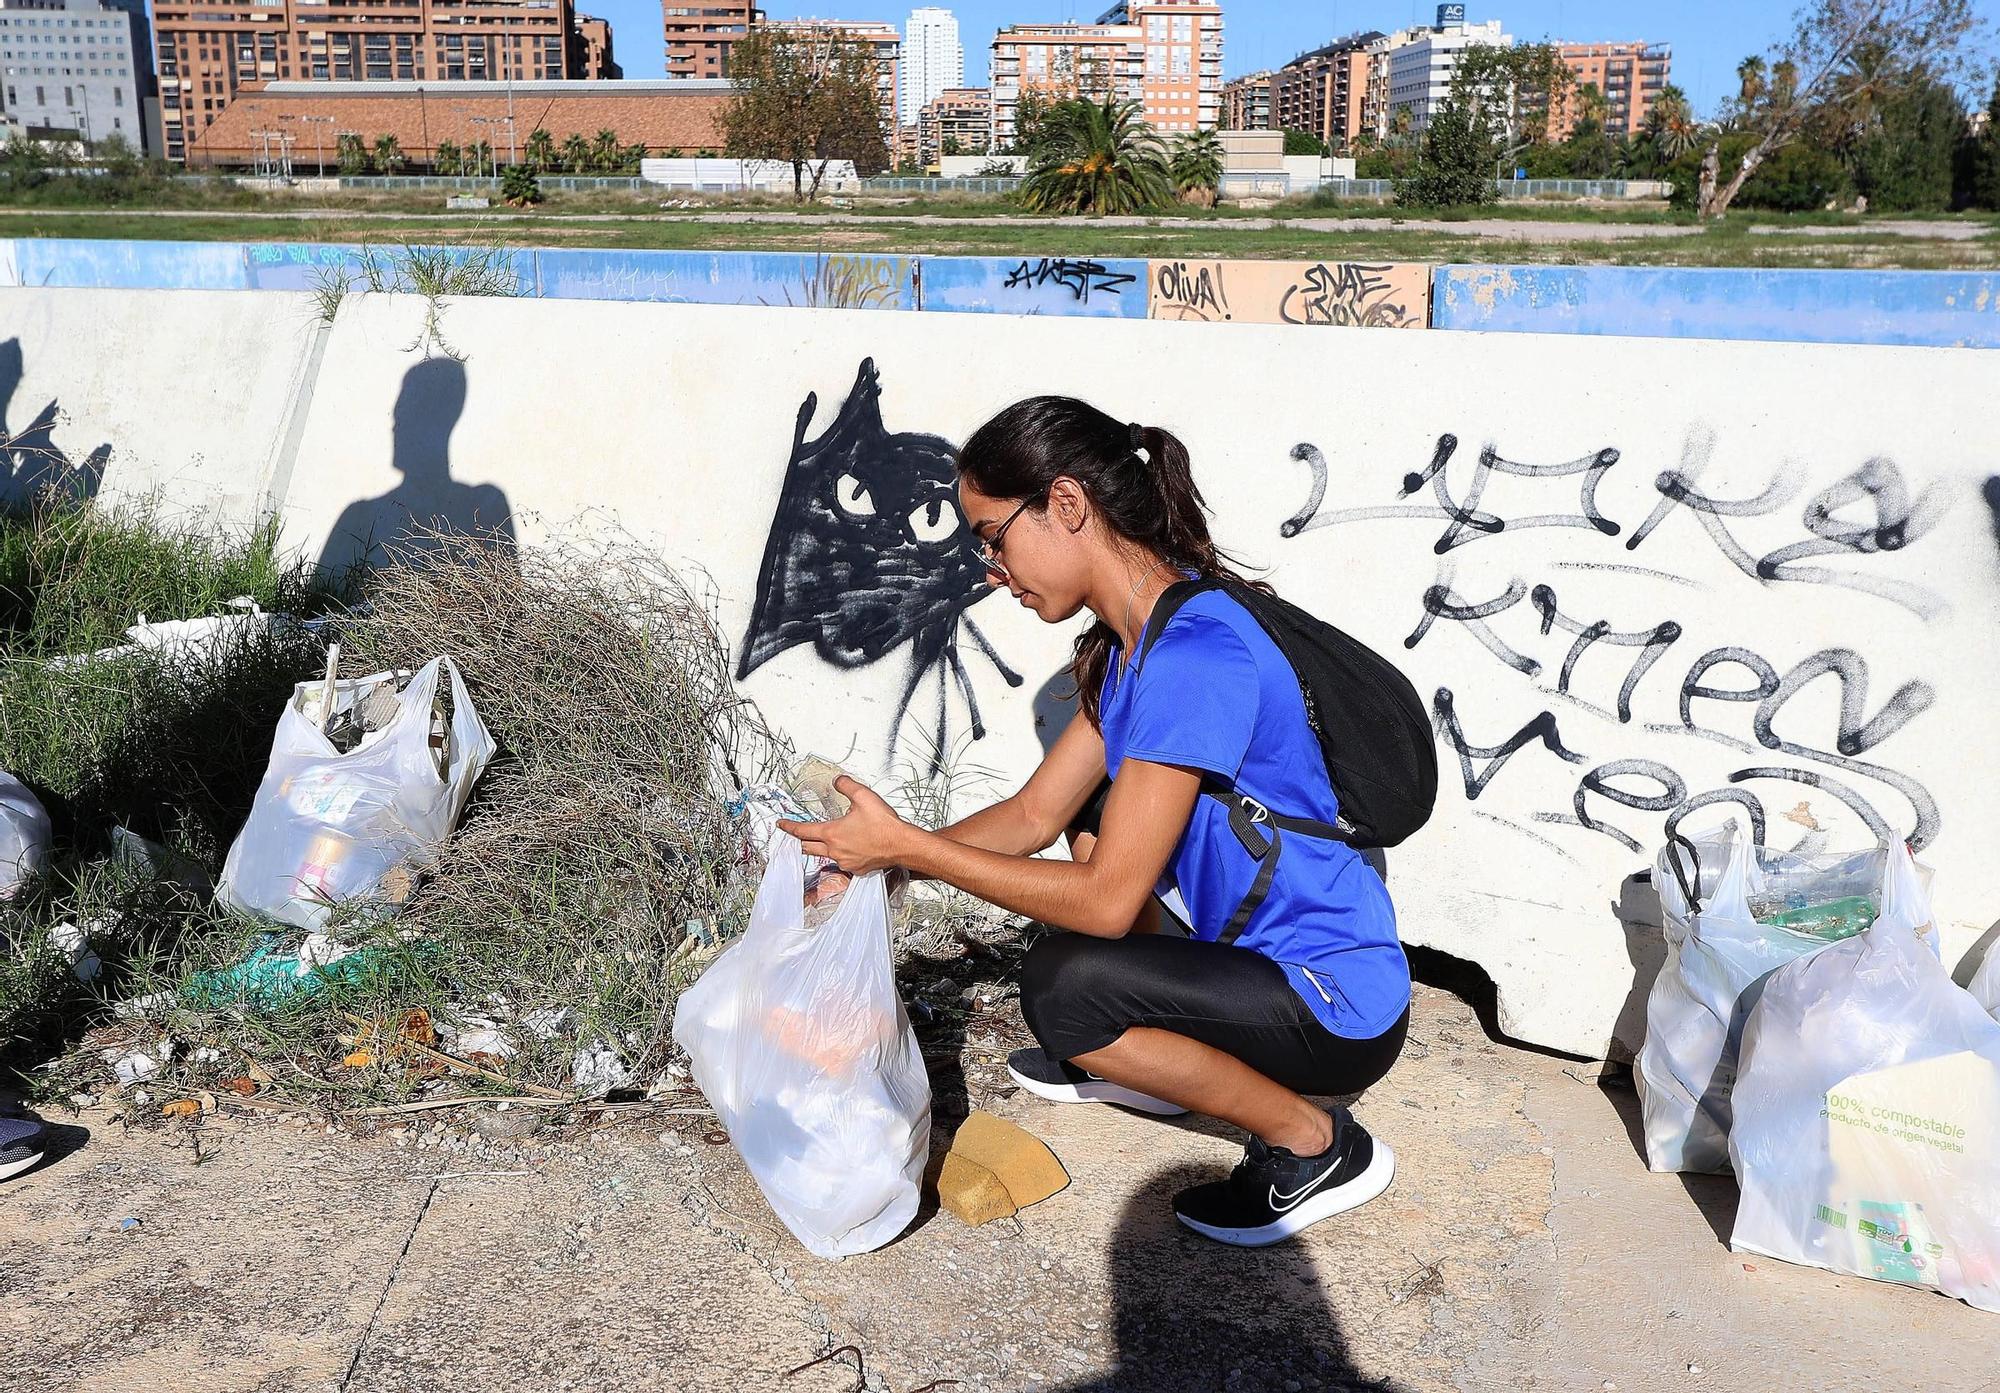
799	1040
1985	983
24	834
366	780
1867	1135
1732	915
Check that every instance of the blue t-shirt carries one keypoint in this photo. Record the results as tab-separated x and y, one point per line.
1216	694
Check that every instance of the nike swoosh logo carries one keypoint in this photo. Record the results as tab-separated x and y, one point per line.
1281	1203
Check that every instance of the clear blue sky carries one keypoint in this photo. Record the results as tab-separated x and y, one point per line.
1709	36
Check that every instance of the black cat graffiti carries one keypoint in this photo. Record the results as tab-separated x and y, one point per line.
869	551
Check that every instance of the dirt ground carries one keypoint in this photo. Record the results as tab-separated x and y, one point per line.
1523	1245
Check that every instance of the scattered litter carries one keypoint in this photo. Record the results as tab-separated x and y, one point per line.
133	1067
180	1107
127	1225
24	835
995	1168
73	942
271	975
598	1069
1867	1129
798	1039
191	643
1718	951
154	861
367	779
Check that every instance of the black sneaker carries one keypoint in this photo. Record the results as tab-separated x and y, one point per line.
1272	1194
21	1139
1059	1081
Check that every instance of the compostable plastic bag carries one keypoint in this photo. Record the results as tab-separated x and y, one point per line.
1732	916
799	1040
1867	1136
329	826
24	834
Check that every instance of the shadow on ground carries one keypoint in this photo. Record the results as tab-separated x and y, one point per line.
1189	1314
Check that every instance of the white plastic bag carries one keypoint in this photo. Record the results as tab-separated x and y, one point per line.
1867	1134
1985	983
24	834
1718	956
799	1040
328	827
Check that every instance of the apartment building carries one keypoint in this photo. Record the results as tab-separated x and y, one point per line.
79	69
888	46
1324	92
1419	70
699	37
962	116
1164	54
208	49
1246	102
1629	75
933	61
590	51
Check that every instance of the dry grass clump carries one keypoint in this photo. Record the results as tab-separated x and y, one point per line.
600	841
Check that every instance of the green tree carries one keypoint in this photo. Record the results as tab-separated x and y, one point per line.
1816	72
448	159
1983	174
951	147
805	98
605	151
1304	143
1030	114
350	154
478	157
1670	124
576	152
388	155
1904	163
1196	167
1456	163
540	151
519	187
1097	157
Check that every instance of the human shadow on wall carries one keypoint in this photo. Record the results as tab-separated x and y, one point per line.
406	521
1270	1325
33	467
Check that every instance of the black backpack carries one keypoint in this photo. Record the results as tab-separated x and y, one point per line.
1369	720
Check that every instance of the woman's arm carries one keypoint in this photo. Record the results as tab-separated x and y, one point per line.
1032	819
1147	812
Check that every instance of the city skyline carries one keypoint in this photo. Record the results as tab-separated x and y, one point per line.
1709	37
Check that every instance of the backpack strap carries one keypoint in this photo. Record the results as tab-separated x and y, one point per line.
1260	830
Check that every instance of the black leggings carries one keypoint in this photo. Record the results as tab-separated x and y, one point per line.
1080	993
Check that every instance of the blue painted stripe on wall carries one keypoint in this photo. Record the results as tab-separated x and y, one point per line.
1935	308
835	279
1036	285
92	262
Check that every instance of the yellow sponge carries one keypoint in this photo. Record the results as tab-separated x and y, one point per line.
1024	1169
972	1192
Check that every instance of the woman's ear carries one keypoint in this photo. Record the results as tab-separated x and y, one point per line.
1069	503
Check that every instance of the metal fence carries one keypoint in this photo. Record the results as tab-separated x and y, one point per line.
1618	190
481	183
910	183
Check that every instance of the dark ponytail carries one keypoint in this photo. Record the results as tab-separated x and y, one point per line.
1139	478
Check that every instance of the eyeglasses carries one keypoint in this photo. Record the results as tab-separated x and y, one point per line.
988	549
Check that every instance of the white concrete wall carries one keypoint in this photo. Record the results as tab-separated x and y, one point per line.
678	421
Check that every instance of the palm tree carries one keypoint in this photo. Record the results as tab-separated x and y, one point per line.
540	151
605	150
389	158
576	152
1197	167
1749	84
447	160
1097	158
1670	124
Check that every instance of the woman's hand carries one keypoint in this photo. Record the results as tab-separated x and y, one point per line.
869	838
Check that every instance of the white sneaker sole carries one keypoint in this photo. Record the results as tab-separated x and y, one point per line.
1355	1193
1098	1091
13	1168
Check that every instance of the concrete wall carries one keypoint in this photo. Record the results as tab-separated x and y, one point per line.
1042	285
1766	591
1945	308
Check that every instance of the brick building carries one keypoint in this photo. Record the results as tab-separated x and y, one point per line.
1629	75
963	115
1324	92
1164	54
699	36
668	117
1246	102
210	49
590	51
